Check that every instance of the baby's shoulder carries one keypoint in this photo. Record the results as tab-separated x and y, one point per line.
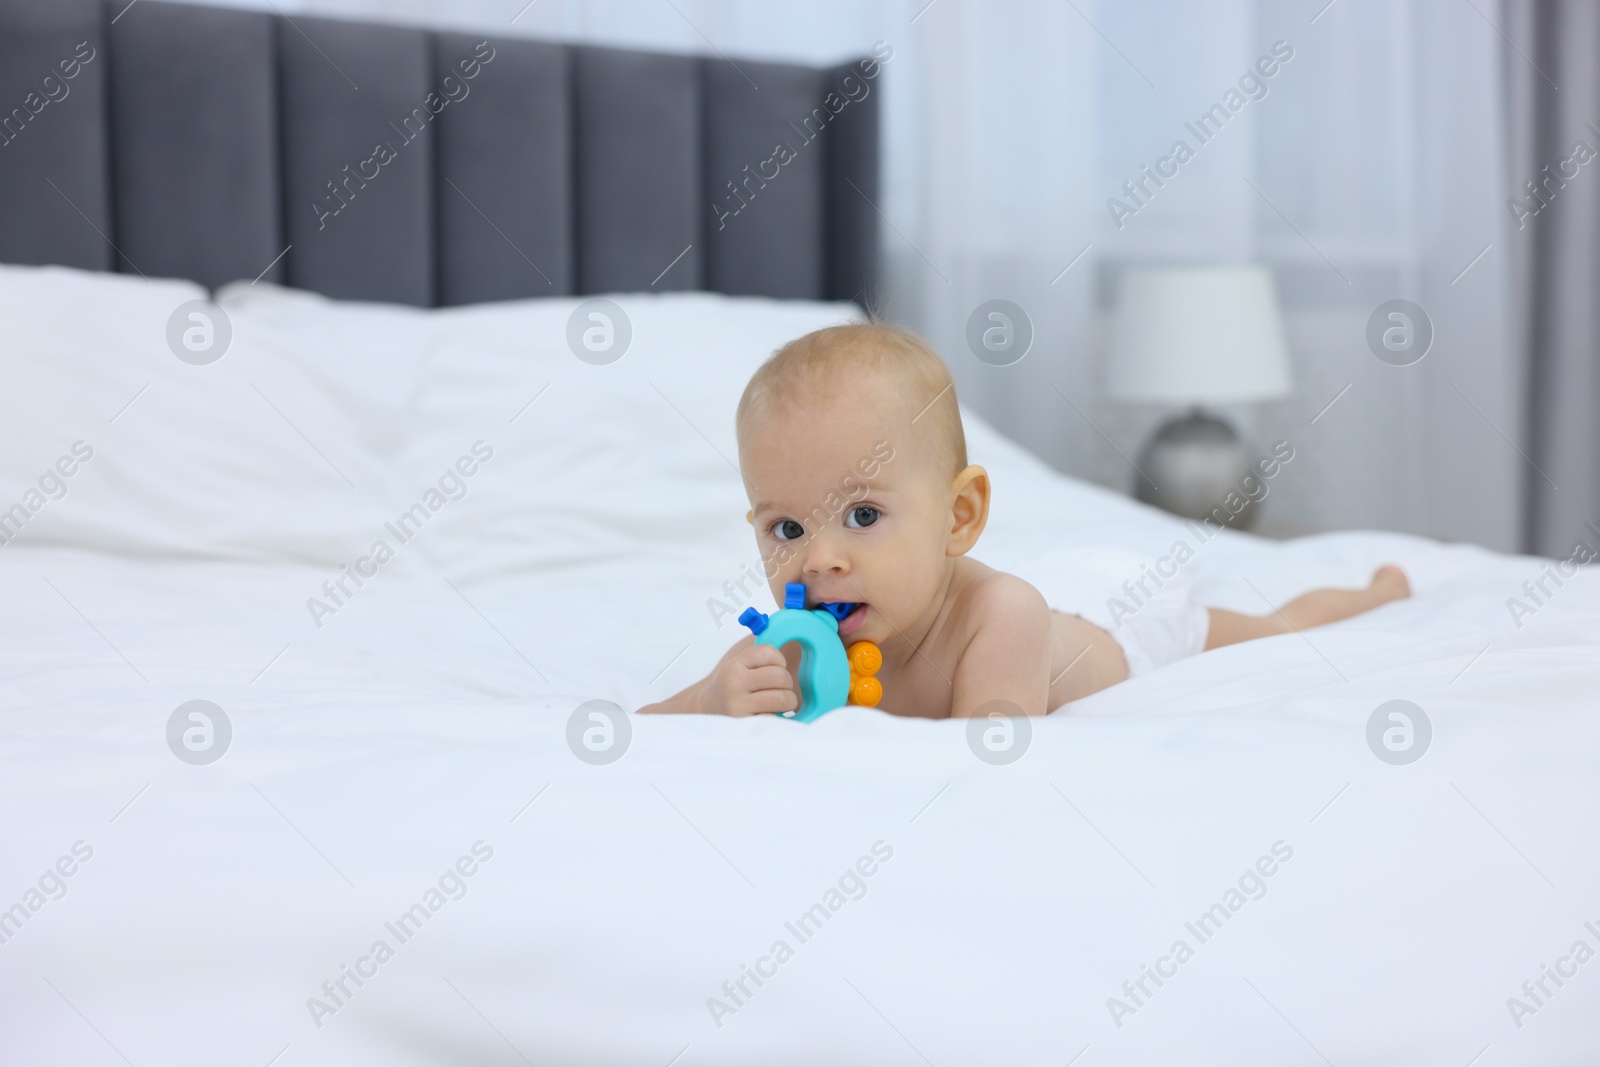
994	597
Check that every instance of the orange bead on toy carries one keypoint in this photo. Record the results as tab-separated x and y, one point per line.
865	690
865	659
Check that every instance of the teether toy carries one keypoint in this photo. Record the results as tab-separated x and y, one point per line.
829	675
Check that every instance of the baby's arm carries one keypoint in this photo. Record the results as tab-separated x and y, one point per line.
1008	655
750	679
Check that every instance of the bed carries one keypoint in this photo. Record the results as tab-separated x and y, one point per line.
387	840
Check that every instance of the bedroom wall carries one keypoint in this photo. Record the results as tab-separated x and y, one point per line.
1370	170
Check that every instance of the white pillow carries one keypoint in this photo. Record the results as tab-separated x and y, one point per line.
569	460
245	457
324	424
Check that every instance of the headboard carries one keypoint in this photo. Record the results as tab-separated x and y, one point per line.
381	162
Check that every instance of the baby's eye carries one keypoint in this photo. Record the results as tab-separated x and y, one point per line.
787	530
858	518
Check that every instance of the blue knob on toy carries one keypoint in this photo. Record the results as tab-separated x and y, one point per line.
824	666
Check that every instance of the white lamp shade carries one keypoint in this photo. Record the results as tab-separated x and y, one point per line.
1193	335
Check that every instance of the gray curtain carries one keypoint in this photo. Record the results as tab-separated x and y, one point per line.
1552	65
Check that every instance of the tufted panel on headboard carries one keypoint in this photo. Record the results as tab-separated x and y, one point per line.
388	163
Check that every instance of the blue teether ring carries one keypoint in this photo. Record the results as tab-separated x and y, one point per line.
824	667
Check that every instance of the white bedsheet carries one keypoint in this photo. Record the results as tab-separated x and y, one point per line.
429	713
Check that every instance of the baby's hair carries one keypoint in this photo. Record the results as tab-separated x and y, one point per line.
810	366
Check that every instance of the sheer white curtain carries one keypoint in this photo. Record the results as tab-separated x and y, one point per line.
1366	168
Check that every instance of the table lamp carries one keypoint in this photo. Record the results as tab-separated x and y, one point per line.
1193	336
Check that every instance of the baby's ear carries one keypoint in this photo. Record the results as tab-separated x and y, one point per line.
750	517
969	509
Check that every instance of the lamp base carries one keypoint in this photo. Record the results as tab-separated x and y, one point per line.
1195	461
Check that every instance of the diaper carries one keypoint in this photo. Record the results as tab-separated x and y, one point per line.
1154	624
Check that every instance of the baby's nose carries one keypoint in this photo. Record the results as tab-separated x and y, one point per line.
825	554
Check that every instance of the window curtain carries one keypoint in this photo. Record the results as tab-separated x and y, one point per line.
1551	55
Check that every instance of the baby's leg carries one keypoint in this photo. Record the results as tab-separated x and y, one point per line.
1316	608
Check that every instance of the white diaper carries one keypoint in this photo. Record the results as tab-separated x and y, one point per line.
1154	624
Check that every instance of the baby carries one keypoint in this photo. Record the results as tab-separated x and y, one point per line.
854	459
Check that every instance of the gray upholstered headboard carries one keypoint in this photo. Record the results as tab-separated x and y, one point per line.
201	143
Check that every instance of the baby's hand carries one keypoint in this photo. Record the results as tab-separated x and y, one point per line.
751	681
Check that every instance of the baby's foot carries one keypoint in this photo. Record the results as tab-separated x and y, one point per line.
1390	582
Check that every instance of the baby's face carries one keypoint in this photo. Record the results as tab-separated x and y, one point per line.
842	501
